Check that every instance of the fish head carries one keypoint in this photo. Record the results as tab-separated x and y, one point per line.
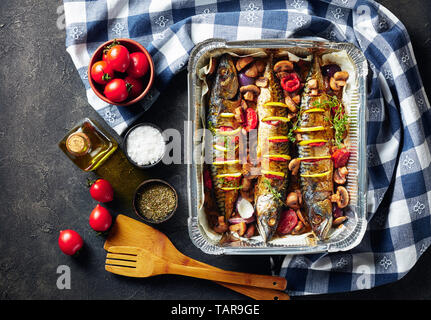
226	78
267	216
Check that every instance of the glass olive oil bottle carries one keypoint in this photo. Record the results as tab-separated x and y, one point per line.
87	145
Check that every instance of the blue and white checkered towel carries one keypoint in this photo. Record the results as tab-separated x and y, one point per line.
399	116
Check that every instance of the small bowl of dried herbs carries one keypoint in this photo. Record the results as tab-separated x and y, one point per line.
155	201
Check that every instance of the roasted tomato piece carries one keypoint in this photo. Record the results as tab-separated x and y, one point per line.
288	221
251	117
291	82
340	157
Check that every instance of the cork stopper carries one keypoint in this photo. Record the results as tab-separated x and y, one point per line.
78	144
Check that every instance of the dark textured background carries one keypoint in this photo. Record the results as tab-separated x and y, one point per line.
41	97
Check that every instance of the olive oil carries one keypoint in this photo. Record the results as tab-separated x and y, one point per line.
87	145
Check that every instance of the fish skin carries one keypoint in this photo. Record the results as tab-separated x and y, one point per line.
316	191
268	205
223	99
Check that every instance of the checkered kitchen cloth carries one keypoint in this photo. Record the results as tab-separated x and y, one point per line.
399	117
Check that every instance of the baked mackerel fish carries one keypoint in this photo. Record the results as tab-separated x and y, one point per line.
316	139
225	168
273	150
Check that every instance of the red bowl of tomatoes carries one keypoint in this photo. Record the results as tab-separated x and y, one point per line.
121	72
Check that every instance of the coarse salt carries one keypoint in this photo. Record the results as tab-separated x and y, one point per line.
145	145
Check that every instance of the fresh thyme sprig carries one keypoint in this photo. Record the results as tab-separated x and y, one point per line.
275	193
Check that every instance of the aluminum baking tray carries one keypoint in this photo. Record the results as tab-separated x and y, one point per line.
342	239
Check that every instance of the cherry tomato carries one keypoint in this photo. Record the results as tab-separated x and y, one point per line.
291	82
135	86
116	90
288	221
70	242
118	57
340	157
251	117
138	65
100	219
101	190
102	72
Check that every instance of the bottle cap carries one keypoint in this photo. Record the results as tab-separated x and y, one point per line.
78	144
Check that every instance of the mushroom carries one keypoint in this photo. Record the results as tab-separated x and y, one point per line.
241	63
340	175
341	197
283	66
221	226
334	84
341	76
312	84
294	166
290	103
292	200
239	228
297	99
260	64
301	217
249	92
262	82
252	71
339	220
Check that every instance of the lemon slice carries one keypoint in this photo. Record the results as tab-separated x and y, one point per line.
230	188
313	158
283	119
273	173
275	104
225	162
314	110
278	138
229	133
310	129
233	175
307	142
282	156
227	115
315	175
220	148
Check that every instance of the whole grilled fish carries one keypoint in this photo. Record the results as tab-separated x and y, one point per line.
225	168
273	150
316	166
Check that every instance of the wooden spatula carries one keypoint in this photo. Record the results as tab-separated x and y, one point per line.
141	263
130	232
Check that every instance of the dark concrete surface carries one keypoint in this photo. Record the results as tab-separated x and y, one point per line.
41	97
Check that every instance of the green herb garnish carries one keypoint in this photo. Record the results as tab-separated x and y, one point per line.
275	193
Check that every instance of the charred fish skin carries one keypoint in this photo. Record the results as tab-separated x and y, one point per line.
316	177
225	169
273	150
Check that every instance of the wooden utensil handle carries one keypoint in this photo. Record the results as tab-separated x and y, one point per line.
247	279
256	293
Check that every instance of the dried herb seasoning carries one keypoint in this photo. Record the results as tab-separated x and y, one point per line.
156	201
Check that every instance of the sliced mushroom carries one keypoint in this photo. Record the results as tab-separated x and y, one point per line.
341	75
340	175
339	220
292	200
221	226
333	84
262	82
249	92
283	66
239	228
290	103
252	71
243	62
294	166
260	64
342	197
312	84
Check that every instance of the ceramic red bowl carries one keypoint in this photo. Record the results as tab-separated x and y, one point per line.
132	46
